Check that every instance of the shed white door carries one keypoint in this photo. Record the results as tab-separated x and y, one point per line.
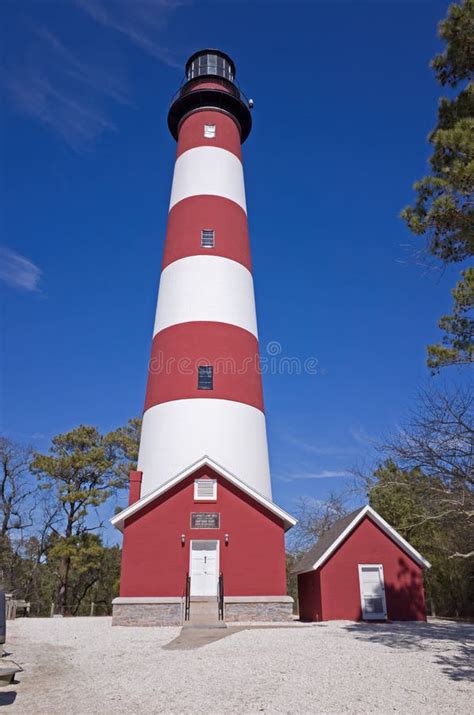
204	568
372	592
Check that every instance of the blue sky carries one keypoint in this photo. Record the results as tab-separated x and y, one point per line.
344	100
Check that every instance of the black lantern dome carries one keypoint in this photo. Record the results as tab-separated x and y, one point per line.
210	84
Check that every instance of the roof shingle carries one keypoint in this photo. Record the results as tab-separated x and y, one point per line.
307	561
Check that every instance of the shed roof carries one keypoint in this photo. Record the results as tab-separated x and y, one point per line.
340	530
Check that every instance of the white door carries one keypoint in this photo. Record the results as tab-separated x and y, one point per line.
204	568
372	592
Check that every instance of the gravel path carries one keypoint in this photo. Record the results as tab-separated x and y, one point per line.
83	665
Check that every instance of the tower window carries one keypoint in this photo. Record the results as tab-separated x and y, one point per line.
207	238
205	377
209	131
205	489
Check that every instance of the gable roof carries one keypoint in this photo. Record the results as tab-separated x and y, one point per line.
119	519
340	530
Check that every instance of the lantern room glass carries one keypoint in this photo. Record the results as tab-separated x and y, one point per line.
210	64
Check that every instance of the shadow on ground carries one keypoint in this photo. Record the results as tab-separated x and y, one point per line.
7	698
452	644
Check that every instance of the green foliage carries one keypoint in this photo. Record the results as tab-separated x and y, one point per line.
32	575
399	495
54	555
457	30
126	441
82	471
443	211
81	468
409	500
93	571
457	347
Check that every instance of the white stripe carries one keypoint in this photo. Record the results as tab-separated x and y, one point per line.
206	288
176	434
208	170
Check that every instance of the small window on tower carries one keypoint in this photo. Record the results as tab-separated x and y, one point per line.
207	238
209	131
205	489
205	377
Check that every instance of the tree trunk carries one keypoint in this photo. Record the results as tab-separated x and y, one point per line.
64	568
63	591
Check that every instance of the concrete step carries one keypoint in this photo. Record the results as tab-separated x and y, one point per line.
204	612
205	626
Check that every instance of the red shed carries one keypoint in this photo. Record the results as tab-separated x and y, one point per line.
361	569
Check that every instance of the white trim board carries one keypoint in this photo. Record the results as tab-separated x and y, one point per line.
385	526
119	519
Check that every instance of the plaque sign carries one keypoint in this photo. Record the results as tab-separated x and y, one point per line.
205	520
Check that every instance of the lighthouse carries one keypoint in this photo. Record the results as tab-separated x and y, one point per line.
201	530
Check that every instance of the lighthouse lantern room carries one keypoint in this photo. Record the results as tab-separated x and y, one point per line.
202	537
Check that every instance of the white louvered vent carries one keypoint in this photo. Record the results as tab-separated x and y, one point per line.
205	489
209	131
207	238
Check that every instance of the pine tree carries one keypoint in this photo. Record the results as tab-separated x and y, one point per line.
82	473
457	346
443	211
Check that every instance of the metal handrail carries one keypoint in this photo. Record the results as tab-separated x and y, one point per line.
220	597
187	602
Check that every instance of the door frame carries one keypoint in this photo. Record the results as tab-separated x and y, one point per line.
372	616
215	541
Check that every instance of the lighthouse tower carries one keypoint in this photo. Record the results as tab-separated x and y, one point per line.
201	523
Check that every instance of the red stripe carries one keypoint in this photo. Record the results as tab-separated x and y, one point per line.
191	132
179	350
188	217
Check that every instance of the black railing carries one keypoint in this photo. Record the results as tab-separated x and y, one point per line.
187	602
220	597
225	96
228	87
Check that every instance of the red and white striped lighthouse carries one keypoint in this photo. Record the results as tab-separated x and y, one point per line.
204	416
205	316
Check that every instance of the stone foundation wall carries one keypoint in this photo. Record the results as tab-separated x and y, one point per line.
147	614
163	611
259	611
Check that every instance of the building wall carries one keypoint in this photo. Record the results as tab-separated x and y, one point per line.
154	563
337	595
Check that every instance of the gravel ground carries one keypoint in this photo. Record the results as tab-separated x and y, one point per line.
83	665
